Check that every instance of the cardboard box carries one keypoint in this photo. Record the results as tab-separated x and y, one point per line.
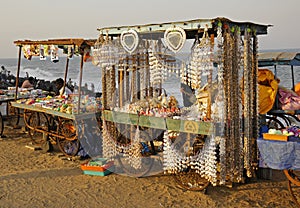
277	137
99	170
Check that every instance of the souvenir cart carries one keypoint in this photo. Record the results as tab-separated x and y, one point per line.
279	147
144	126
55	118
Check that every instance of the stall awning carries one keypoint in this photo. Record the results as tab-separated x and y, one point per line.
191	27
278	58
64	41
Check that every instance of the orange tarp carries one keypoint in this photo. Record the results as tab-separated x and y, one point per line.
268	86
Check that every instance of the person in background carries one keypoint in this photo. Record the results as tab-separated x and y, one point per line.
59	83
3	73
188	95
28	83
70	85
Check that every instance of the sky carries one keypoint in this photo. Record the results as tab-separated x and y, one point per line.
40	20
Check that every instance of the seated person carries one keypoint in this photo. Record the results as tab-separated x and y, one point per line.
28	83
63	90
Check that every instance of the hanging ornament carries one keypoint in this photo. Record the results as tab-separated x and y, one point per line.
87	55
129	40
42	53
70	51
174	38
54	53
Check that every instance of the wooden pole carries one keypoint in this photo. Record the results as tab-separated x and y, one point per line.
66	74
18	72
80	83
121	87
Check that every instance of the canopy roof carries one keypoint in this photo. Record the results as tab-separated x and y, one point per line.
191	27
278	58
64	41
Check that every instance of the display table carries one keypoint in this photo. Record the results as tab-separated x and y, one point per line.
62	128
284	156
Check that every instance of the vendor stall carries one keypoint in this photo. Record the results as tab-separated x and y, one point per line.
213	140
55	117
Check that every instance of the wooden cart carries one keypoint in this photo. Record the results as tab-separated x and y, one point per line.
56	127
135	62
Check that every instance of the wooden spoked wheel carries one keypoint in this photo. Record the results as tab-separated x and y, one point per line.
37	124
13	114
145	162
188	179
294	185
67	140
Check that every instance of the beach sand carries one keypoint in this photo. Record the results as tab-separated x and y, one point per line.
31	178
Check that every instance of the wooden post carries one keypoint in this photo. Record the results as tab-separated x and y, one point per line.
80	82
18	72
104	89
66	73
121	87
127	97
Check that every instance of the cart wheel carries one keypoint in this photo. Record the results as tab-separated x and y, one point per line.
13	114
1	125
126	163
190	180
294	185
37	124
68	143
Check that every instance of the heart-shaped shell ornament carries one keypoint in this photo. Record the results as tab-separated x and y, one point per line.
175	38
129	40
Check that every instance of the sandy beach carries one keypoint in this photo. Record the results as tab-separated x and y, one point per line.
31	178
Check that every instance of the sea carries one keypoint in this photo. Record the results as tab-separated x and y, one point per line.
48	70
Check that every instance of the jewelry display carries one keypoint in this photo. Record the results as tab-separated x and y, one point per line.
136	62
129	40
174	38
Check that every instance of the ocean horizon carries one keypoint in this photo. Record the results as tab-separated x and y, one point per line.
49	71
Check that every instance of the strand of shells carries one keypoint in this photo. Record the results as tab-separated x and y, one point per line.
106	52
170	156
218	108
201	63
247	122
111	148
156	75
256	107
205	162
134	153
236	108
108	148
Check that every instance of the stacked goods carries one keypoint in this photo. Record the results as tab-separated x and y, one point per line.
88	104
288	134
99	167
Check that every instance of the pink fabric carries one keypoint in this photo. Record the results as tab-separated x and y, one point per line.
288	100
